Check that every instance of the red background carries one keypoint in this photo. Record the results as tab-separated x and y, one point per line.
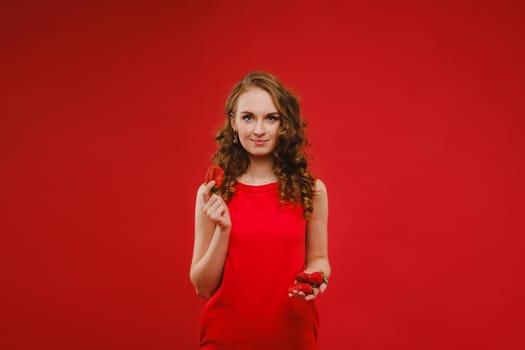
415	116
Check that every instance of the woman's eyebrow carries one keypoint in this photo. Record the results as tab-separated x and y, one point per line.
270	113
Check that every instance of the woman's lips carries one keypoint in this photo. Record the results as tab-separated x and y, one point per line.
259	142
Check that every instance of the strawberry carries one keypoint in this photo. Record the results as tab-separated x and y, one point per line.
216	173
302	277
306	288
315	278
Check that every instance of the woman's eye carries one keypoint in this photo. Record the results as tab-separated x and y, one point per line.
247	117
272	118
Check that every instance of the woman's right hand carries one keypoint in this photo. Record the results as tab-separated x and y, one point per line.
215	208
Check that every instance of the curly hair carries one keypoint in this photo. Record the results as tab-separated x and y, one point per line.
290	165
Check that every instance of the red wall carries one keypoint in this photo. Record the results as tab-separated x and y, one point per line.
416	120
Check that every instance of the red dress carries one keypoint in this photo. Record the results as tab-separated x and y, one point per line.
251	309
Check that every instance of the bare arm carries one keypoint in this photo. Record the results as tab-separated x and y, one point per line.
212	234
317	241
317	237
317	233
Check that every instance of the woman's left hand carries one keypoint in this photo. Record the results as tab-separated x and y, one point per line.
302	296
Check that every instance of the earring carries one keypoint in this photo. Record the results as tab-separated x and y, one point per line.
235	137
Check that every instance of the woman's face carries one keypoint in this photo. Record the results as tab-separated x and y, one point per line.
257	122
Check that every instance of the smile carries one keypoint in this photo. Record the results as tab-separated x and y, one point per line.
259	142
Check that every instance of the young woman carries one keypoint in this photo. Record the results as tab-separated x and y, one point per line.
266	224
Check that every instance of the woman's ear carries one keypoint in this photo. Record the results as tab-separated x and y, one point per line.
232	121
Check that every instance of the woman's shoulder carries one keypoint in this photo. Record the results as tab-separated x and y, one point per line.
320	186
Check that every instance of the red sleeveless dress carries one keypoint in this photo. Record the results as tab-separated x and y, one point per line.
251	309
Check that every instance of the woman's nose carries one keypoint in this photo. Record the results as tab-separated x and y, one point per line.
259	128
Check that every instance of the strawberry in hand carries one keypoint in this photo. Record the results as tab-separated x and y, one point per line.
308	285
301	287
215	173
214	206
302	277
316	279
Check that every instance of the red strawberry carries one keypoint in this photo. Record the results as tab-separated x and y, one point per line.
306	288
216	173
316	278
302	277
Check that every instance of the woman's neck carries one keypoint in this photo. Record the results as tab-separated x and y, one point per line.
259	172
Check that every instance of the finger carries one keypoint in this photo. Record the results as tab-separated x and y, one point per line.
210	206
207	207
322	287
214	211
220	203
211	202
214	199
206	193
219	211
216	205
